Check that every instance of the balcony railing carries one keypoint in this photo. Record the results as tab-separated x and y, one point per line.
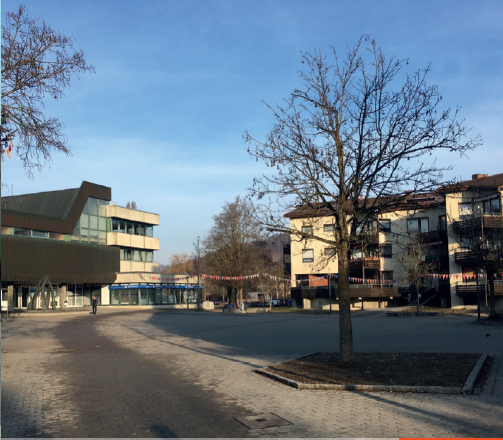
474	224
463	289
367	263
355	291
434	237
464	257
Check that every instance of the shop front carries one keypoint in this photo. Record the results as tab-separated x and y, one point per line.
153	294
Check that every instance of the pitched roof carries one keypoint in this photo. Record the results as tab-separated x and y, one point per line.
53	211
478	181
401	202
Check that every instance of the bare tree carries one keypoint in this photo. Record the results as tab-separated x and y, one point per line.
180	263
348	144
232	247
415	267
37	63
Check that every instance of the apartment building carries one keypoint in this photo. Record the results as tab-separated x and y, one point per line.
86	246
379	268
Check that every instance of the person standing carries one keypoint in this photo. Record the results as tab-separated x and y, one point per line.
95	305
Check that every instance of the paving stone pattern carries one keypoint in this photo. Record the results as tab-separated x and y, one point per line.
158	373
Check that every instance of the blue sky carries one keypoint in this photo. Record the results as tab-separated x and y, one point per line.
178	82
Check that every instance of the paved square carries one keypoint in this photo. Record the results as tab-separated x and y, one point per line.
161	373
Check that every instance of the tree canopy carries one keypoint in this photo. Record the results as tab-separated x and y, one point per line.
349	142
234	246
37	64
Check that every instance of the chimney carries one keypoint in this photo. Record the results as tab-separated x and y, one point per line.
478	176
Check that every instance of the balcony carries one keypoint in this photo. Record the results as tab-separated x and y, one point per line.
139	266
465	258
434	237
470	289
132	214
364	263
471	225
355	291
132	241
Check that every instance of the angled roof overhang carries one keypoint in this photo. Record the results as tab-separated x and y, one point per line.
52	211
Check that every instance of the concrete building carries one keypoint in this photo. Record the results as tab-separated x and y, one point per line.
379	266
87	247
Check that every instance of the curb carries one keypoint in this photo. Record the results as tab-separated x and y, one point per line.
466	389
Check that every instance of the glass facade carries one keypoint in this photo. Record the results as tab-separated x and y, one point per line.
131	254
152	296
92	225
79	295
130	227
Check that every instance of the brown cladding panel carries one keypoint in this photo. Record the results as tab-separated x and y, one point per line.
29	259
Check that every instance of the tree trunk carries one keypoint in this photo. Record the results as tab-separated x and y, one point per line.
492	304
345	329
417	293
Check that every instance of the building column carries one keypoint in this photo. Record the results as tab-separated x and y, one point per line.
62	296
10	298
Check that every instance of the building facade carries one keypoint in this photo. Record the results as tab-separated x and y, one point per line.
87	247
438	223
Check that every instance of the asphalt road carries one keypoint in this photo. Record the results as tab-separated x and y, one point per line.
165	373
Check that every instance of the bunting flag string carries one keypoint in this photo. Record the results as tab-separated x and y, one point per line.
313	278
164	279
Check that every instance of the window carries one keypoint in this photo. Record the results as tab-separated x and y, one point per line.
385	225
308	230
93	206
150	231
442	223
330	252
40	234
492	206
115	225
102	223
84	221
93	222
93	236
328	228
308	256
386	251
465	211
76	234
417	224
102	237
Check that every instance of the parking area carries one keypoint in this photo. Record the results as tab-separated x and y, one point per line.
162	373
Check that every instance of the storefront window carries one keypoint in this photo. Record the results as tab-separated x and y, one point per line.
115	297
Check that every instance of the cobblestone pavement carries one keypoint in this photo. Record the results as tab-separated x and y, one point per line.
163	373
